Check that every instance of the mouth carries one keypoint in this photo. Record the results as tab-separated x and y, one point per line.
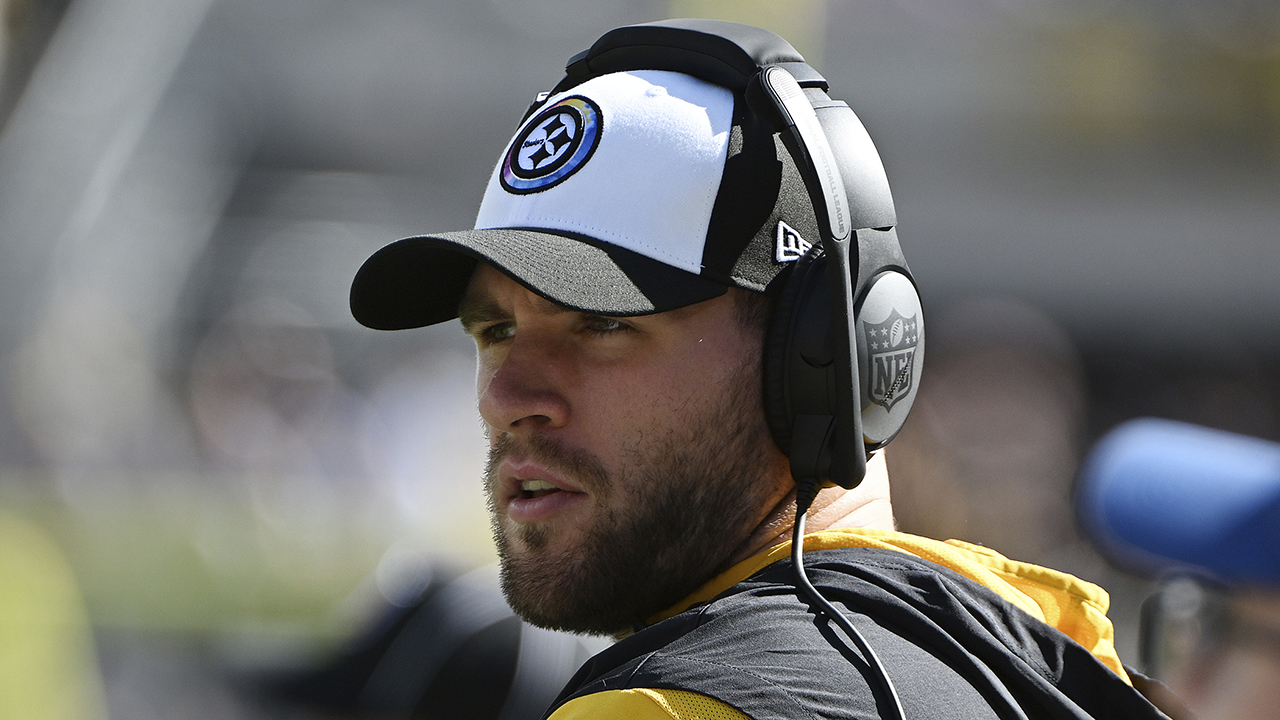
531	489
539	482
539	500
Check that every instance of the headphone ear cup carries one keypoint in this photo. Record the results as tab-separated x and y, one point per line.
890	339
799	321
799	369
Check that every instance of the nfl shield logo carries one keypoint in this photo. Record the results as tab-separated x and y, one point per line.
891	348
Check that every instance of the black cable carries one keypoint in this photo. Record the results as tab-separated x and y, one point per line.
806	491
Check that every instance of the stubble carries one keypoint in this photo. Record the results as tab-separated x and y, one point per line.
663	524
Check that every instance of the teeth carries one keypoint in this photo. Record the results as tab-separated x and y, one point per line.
536	485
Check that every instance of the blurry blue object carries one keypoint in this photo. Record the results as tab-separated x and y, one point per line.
1168	496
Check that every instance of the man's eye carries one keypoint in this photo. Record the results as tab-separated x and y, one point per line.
496	332
604	325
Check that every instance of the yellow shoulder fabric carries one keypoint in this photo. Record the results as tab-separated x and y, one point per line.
1073	606
645	704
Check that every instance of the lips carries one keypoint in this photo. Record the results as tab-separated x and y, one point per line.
533	493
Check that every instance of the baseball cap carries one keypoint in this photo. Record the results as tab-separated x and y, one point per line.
1173	497
631	193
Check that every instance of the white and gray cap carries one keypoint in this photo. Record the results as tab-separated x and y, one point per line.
631	193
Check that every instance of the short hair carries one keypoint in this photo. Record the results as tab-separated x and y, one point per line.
753	309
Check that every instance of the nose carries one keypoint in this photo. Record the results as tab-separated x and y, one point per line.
521	389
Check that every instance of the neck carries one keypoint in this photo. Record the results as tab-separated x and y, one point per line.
866	506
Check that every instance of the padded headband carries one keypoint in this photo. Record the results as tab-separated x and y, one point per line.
727	54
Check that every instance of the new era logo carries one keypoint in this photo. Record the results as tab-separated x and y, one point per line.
789	246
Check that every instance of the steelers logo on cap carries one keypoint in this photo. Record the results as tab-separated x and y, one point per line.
552	146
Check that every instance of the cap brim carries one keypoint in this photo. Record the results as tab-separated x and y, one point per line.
419	281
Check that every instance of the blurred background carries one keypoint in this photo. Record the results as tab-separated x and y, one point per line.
209	472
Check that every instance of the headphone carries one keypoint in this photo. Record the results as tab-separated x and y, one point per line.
846	340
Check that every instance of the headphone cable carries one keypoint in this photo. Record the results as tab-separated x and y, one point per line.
806	491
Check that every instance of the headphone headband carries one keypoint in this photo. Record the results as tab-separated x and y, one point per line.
725	53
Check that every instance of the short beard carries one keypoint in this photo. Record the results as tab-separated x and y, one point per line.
686	503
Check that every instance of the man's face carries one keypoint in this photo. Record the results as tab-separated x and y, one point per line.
629	457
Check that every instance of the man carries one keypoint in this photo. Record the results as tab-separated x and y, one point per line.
620	286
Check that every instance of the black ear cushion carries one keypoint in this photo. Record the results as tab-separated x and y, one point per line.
779	342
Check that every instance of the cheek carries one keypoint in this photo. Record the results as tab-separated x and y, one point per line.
617	410
645	403
662	385
706	369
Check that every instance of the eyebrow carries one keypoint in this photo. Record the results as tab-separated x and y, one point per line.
478	308
473	310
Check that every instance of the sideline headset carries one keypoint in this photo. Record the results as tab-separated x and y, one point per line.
846	341
847	337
